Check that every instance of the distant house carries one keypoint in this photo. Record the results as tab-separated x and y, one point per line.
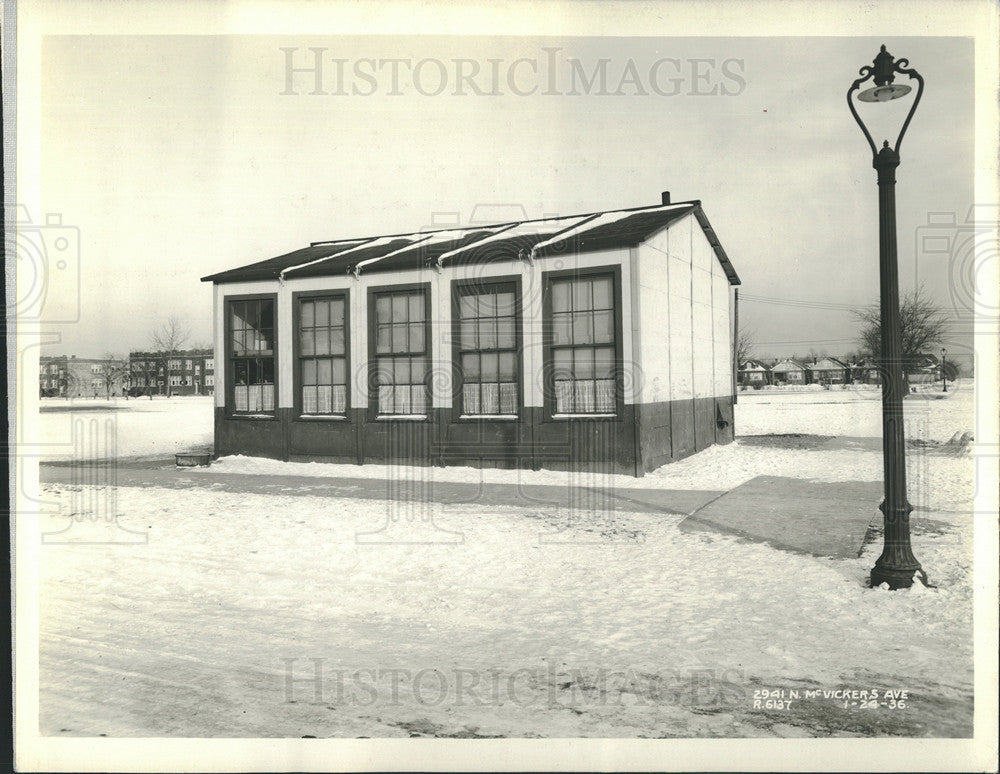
864	371
185	372
754	373
790	371
81	377
829	370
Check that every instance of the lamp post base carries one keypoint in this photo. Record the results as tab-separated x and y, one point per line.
897	577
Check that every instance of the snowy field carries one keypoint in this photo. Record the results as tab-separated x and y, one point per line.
247	615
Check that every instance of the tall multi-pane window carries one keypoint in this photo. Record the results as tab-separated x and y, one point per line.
402	351
583	344
251	336
487	348
323	345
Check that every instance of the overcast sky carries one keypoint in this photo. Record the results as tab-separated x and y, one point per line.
176	157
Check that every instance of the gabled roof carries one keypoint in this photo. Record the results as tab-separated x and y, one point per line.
836	363
790	363
529	239
755	364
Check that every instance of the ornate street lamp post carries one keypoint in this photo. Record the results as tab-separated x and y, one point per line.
944	373
897	565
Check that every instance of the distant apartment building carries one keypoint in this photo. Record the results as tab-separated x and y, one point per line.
62	376
186	372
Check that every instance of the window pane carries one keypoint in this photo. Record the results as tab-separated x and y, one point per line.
339	371
383	309
604	366
267	370
468	335
308	400
506	369
309	372
581	295
505	303
337	311
505	333
399	308
564	396
240	397
383	371
583	332
416	307
604	327
306	314
267	314
470	399
401	370
383	339
489	365
418	400
418	370
322	341
339	400
602	293
324	372
605	398
254	402
416	337
240	372
491	398
385	401
470	368
560	297
508	398
487	334
400	341
583	363
584	396
307	342
466	306
337	341
238	345
266	339
562	361
401	400
562	332
322	314
485	305
238	312
324	396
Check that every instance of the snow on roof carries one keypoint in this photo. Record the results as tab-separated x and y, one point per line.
480	243
529	231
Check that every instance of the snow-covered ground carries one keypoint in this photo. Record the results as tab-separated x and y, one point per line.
125	429
435	620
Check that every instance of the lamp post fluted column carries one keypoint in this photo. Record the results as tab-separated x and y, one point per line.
897	566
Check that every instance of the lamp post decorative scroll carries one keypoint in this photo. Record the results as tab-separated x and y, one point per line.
897	565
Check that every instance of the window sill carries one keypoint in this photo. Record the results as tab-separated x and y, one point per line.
584	416
403	417
322	418
252	416
491	417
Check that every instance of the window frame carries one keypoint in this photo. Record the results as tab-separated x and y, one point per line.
457	379
548	343
230	401
297	297
372	294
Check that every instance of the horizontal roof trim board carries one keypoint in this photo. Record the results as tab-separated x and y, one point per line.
528	239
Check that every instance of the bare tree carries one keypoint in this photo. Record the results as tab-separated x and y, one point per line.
113	372
922	326
167	340
746	342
